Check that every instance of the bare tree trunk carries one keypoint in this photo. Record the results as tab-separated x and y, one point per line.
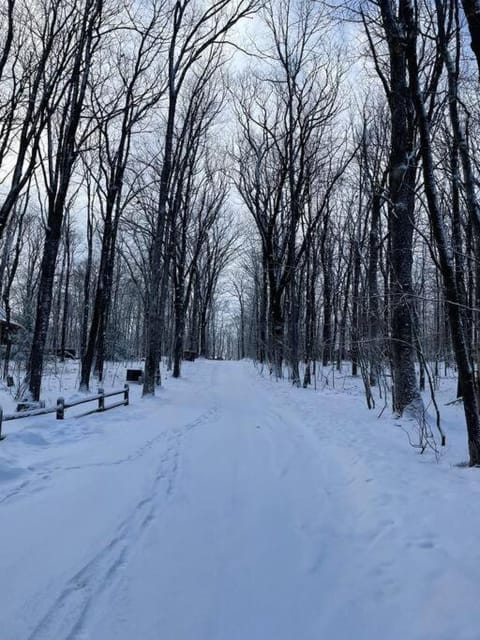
293	351
85	367
355	306
66	153
402	180
372	284
153	310
472	13
66	293
44	304
178	328
327	310
263	307
465	372
277	329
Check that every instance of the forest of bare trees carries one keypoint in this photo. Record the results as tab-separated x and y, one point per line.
292	181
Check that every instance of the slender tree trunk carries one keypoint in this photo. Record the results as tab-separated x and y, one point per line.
85	367
262	320
66	295
372	284
327	314
355	346
294	304
153	311
178	322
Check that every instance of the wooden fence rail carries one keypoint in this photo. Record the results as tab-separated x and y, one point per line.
61	406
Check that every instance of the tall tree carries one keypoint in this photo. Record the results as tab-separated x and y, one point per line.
121	103
65	132
401	194
453	299
193	33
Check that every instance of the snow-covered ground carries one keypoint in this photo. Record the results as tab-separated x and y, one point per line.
233	507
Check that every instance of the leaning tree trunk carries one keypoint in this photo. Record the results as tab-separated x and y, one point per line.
453	298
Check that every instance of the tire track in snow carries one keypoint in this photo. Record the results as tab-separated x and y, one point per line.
44	471
68	616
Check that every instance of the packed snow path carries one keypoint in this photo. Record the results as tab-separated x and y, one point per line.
232	507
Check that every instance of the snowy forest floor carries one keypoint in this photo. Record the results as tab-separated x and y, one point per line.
234	507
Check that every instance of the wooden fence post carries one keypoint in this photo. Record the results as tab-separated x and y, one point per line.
1	420
125	394
60	408
101	399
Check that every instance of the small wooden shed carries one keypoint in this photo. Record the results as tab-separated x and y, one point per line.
12	326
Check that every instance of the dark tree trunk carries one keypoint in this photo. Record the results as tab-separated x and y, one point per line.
277	330
66	154
66	295
44	301
96	335
402	180
195	313
85	367
293	350
179	329
355	346
203	332
262	320
465	371
372	284
342	333
472	12
154	303
310	312
327	313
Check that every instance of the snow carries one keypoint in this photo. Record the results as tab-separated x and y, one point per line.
234	507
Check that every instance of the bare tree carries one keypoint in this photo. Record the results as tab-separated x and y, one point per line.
65	133
401	194
193	33
121	104
285	118
453	299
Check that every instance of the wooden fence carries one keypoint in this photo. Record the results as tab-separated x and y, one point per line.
62	406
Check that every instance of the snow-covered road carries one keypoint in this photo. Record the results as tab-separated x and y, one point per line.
234	508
